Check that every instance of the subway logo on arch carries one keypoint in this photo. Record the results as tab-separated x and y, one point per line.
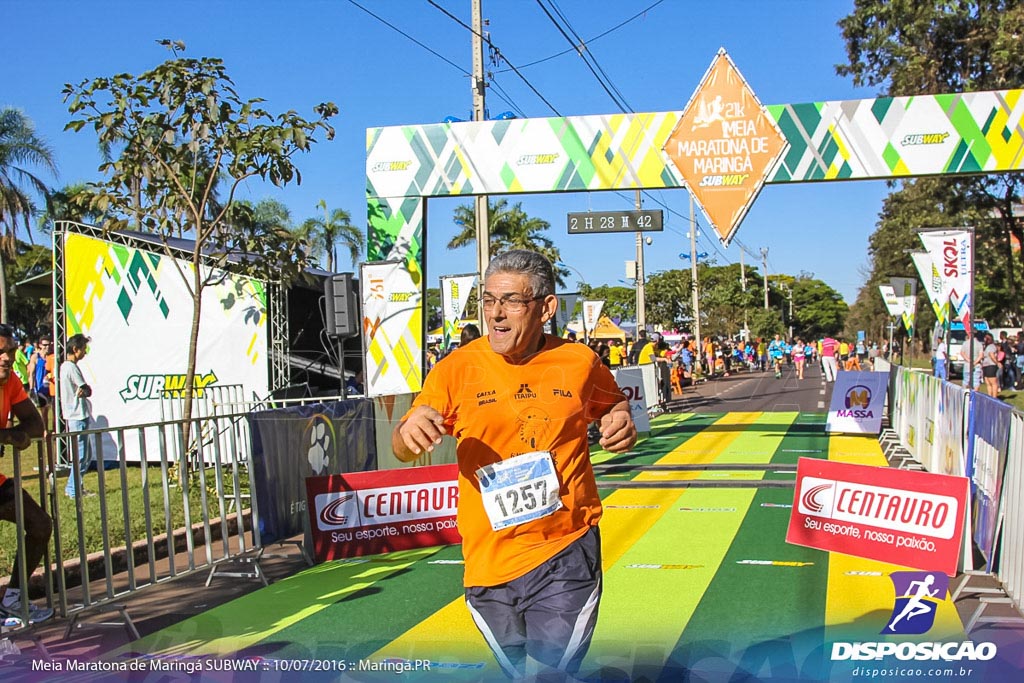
914	512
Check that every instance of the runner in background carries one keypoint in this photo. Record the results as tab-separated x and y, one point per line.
519	402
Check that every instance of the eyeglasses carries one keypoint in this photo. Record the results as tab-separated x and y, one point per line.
510	302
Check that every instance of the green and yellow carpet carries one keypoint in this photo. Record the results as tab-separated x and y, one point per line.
699	581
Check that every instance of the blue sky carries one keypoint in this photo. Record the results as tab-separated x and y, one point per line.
297	54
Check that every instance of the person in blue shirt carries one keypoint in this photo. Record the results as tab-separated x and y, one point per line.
776	351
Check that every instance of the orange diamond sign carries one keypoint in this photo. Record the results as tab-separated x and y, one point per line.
724	146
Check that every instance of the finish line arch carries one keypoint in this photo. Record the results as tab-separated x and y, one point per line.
869	139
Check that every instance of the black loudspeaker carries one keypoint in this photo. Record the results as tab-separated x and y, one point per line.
341	304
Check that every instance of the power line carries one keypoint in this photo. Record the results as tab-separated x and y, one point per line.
398	30
595	38
582	51
496	52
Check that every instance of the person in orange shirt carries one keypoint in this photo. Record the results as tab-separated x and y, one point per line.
38	527
519	403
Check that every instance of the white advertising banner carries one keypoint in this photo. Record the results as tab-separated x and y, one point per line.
906	292
137	309
857	402
950	251
563	314
455	290
631	381
591	314
391	313
892	302
932	283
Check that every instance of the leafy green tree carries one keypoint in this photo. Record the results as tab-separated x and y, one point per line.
22	152
333	228
30	309
667	297
766	323
175	131
510	228
910	48
817	309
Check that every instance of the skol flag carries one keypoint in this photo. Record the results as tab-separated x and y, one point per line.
455	291
950	251
906	292
932	283
563	314
591	314
892	302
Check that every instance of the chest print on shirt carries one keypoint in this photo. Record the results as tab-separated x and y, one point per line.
533	426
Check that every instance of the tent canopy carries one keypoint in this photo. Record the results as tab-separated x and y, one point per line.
605	329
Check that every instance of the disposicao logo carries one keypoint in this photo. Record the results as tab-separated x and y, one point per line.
918	595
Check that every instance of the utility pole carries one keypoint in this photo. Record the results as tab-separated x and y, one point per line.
641	306
764	263
483	229
698	352
743	284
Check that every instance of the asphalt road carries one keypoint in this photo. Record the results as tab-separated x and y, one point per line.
758	391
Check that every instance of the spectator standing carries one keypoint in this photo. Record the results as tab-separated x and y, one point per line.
990	366
21	360
77	410
38	526
940	353
39	385
1007	362
638	346
616	353
1018	350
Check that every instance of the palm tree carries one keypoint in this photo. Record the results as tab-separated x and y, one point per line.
511	228
334	228
20	150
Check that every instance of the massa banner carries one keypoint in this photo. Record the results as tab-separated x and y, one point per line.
857	402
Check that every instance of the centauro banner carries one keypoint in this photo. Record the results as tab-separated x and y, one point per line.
913	519
455	291
135	306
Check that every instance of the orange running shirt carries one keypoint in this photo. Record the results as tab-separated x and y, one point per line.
497	410
11	394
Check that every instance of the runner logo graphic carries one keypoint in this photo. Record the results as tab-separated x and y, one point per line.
918	595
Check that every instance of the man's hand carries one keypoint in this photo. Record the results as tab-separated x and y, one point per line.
618	433
419	432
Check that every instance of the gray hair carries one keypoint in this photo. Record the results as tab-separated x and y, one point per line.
536	267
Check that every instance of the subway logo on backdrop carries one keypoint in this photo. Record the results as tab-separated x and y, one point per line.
151	387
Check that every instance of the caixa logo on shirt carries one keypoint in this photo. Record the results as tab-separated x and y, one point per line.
150	387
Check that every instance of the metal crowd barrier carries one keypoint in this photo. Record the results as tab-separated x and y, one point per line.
85	569
930	420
